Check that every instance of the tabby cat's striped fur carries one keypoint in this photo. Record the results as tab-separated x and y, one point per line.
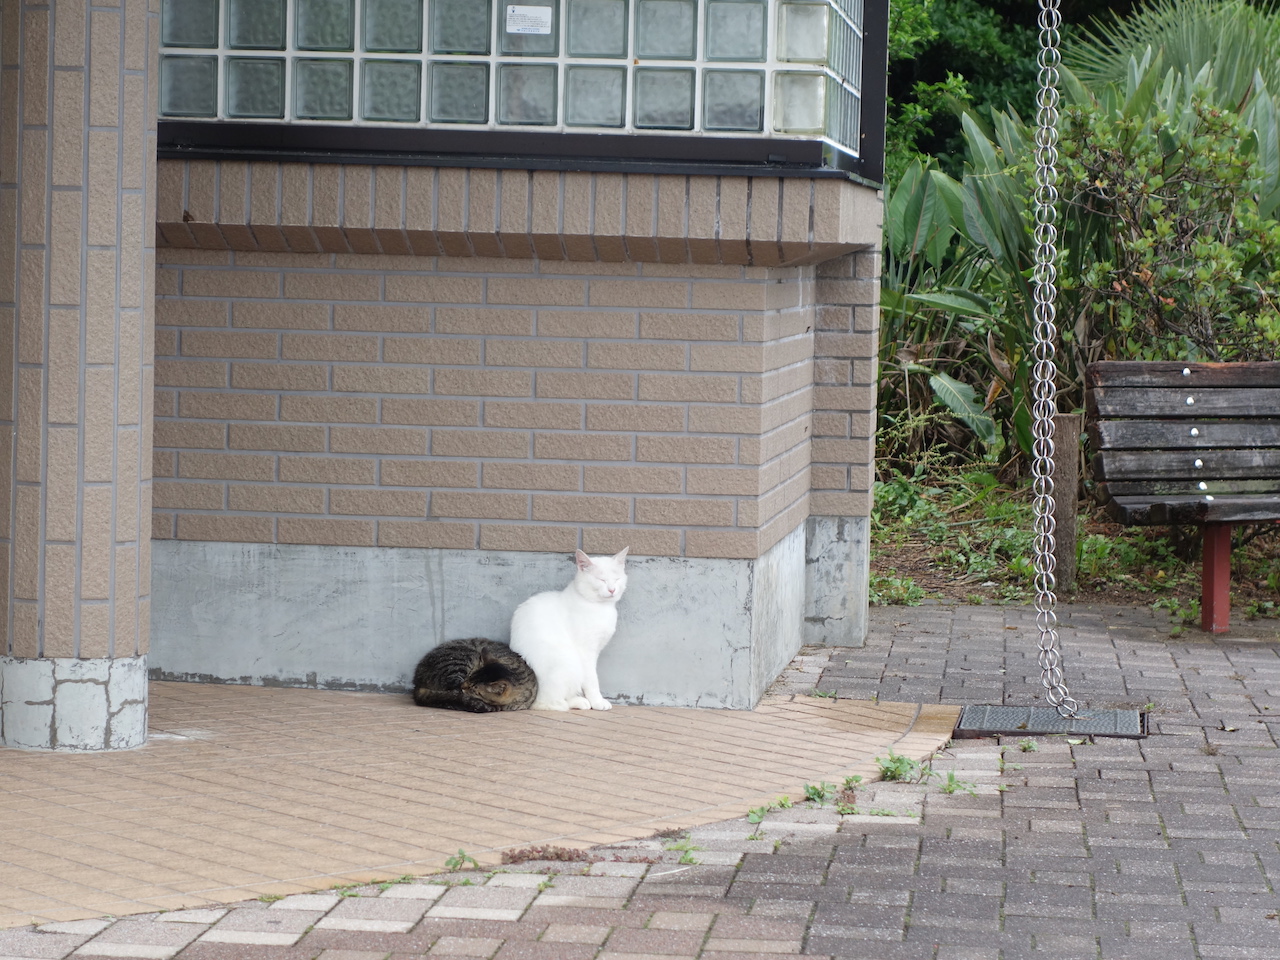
479	675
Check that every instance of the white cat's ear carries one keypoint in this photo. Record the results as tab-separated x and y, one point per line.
621	555
583	560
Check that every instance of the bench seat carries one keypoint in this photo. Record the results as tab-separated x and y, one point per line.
1195	443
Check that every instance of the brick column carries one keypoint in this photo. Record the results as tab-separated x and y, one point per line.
77	166
846	345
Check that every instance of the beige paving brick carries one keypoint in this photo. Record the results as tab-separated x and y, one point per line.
429	473
466	946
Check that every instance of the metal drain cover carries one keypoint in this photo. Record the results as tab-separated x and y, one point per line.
1026	721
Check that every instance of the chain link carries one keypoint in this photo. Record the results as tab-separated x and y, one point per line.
1044	372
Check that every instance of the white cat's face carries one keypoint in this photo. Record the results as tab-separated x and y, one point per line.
602	578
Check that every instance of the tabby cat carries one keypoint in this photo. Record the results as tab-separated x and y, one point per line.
479	675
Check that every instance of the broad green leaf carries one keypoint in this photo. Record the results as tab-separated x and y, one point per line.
962	400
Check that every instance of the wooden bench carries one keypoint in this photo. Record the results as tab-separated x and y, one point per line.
1188	443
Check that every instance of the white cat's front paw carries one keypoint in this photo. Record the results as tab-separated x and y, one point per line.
550	705
601	704
579	703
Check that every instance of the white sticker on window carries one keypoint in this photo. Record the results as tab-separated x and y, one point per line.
524	19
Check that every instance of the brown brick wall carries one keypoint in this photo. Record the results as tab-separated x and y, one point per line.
482	403
846	347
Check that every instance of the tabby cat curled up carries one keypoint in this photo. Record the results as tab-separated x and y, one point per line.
479	675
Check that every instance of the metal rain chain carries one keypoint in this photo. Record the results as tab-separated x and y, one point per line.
1044	390
1061	715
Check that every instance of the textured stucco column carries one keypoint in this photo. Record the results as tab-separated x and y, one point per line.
837	549
77	148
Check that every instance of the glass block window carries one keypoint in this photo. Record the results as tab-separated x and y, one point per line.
767	68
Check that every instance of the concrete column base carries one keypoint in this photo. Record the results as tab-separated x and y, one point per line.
68	704
837	576
692	632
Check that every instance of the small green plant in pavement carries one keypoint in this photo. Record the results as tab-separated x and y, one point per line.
894	767
819	793
462	861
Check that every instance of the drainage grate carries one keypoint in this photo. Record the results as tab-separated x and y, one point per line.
1024	721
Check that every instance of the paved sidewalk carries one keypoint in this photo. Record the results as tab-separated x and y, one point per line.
1165	848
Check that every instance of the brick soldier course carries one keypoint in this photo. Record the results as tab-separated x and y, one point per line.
1161	848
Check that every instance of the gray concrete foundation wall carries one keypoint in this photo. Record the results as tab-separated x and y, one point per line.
837	578
73	704
692	631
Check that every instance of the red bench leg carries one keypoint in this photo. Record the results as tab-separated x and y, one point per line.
1215	578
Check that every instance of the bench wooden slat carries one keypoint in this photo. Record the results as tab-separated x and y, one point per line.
1181	464
1176	435
1143	511
1150	402
1187	488
1126	373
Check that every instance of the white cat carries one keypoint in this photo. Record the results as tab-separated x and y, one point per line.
560	633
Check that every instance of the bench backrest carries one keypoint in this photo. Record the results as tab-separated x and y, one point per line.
1181	431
